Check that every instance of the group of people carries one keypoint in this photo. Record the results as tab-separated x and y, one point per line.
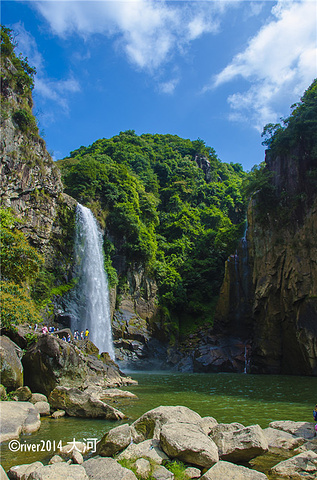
83	335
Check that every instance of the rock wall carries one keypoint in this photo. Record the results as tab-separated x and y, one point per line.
269	294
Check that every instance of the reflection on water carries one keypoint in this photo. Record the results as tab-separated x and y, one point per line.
247	399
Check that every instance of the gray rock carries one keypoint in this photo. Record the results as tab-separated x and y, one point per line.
22	472
55	459
280	439
115	441
38	397
105	468
299	429
241	445
59	471
303	466
80	404
149	449
193	472
143	468
161	473
225	427
16	418
149	425
43	408
58	414
312	445
207	424
228	471
188	443
77	457
11	370
3	475
67	450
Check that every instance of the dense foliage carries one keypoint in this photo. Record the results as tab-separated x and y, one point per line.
163	211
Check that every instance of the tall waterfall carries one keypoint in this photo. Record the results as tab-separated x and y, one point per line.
90	306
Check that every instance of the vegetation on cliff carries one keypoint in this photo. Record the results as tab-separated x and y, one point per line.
167	203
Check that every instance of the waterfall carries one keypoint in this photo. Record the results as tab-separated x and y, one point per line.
90	305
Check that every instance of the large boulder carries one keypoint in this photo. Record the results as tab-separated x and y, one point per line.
299	429
280	439
11	370
115	441
22	394
59	471
303	466
149	449
149	425
17	418
228	471
51	362
43	408
80	404
98	468
22	472
187	442
241	445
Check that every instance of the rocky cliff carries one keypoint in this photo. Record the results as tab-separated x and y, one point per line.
269	294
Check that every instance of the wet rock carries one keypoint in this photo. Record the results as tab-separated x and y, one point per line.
280	439
149	449
98	468
80	404
115	441
241	445
188	443
22	472
16	418
11	370
59	471
299	429
303	466
226	470
150	424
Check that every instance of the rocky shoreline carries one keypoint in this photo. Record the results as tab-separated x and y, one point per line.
176	443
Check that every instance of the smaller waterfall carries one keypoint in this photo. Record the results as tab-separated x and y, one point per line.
90	305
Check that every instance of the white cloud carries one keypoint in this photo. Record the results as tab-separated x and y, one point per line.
47	88
148	32
279	62
169	87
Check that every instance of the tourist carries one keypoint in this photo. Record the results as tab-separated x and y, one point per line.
35	328
87	333
68	338
45	330
82	335
64	338
315	413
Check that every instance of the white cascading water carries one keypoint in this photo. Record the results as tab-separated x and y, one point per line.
90	305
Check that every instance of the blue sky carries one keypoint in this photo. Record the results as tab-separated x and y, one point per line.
216	70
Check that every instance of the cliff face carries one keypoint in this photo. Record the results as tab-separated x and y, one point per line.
30	182
269	294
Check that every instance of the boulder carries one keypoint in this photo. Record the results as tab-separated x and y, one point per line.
22	472
225	427
193	472
149	425
241	445
80	404
11	370
102	468
3	475
115	441
116	393
43	408
22	394
161	473
142	468
38	397
280	439
188	443
66	452
55	459
59	471
149	449
303	466
228	471
16	418
58	414
312	445
207	424
299	429
77	457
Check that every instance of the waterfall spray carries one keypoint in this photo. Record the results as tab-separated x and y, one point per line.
90	305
